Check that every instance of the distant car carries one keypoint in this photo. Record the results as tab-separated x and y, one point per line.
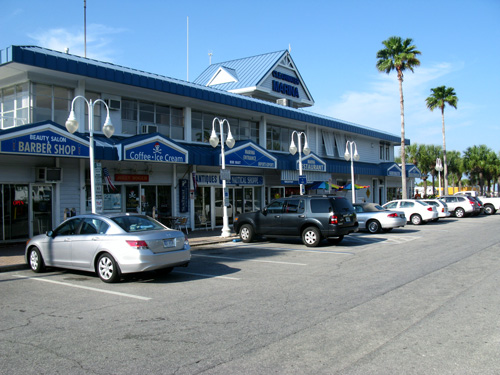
461	205
416	211
110	245
441	207
375	218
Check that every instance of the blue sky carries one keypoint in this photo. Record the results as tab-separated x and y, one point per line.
333	44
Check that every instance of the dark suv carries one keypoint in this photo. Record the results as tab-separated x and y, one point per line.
311	217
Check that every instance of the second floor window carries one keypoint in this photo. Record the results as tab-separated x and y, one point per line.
14	106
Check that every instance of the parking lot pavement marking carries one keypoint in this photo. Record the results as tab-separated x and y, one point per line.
250	260
204	275
267	247
85	287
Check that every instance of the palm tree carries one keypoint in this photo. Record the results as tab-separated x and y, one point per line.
399	55
441	96
425	164
455	168
476	162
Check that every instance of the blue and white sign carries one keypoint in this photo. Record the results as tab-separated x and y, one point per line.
312	163
155	149
45	141
214	179
250	155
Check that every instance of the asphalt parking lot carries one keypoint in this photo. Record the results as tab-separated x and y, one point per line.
421	299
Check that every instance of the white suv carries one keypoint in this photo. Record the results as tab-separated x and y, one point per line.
460	205
417	212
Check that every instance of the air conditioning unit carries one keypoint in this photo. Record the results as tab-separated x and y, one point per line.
148	129
282	102
114	105
48	175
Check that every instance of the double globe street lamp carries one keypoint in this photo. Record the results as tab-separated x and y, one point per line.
350	156
293	149
230	141
108	130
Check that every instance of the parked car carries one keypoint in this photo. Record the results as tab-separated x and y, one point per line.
460	205
441	207
110	245
416	211
310	217
375	218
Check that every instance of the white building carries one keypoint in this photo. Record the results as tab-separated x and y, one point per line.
159	159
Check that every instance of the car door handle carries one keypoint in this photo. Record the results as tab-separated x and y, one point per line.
277	216
302	216
95	238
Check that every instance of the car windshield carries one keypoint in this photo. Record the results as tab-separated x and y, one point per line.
131	224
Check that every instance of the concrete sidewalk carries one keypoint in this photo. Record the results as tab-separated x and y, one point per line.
12	255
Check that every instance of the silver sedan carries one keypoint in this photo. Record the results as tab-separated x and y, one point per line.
375	218
110	245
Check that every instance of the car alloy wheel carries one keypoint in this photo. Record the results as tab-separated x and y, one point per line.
459	212
311	237
373	226
246	233
107	268
416	219
36	261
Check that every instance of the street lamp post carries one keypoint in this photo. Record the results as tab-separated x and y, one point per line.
108	130
439	168
305	149
230	141
350	156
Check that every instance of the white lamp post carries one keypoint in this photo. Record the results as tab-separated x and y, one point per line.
305	149
214	141
439	168
350	156
108	130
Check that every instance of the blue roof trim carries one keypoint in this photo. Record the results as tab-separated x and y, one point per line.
62	62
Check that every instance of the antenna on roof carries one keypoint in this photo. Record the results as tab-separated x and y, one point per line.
289	48
187	26
210	54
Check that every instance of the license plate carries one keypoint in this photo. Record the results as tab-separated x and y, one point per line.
168	243
347	219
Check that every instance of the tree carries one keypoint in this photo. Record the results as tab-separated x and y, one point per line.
399	55
425	164
476	160
441	96
455	168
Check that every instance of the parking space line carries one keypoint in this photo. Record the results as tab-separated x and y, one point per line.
267	247
204	275
85	287
250	260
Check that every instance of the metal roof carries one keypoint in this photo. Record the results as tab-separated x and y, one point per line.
85	67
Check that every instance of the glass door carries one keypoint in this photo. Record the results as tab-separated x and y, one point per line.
42	208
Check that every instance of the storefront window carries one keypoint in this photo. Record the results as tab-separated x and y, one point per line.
202	212
14	209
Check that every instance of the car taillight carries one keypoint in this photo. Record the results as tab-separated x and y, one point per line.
429	208
334	219
138	244
393	215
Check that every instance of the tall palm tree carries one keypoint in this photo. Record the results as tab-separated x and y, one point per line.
441	96
399	55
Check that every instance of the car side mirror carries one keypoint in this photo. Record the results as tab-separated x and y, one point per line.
264	210
50	234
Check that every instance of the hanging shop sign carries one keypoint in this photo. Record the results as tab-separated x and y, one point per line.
250	155
44	141
183	195
155	149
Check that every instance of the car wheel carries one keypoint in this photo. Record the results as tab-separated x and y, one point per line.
416	219
459	212
35	260
335	240
489	209
108	269
311	237
373	226
247	233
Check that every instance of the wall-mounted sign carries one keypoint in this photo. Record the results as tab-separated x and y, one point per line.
250	155
131	178
44	141
155	149
214	179
312	163
285	88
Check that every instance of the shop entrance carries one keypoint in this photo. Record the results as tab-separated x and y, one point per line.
14	212
241	199
41	205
